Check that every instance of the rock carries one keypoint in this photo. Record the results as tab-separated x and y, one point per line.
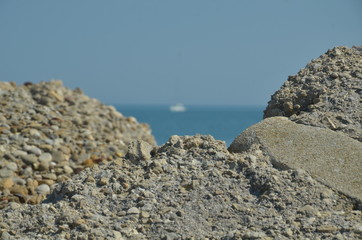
35	199
254	235
309	211
145	214
12	166
327	229
5	173
189	188
51	176
68	170
253	199
45	157
43	189
103	181
44	166
30	159
17	189
133	210
358	228
19	153
332	158
117	235
58	156
35	133
14	205
48	182
5	236
33	149
326	93
7	183
32	183
139	150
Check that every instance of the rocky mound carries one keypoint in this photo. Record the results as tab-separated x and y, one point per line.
192	187
330	157
326	93
49	132
189	188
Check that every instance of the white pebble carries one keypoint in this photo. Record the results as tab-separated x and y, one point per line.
43	189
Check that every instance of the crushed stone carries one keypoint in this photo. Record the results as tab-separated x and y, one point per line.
191	188
49	132
107	178
326	93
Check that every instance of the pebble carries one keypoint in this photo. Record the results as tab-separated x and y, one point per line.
32	183
12	166
34	133
44	166
310	211
7	183
43	189
45	157
254	235
50	176
139	150
33	149
103	181
5	173
14	205
30	159
17	189
117	235
358	228
145	214
48	182
133	210
327	193
288	232
68	170
19	153
147	207
18	180
327	228
58	156
5	236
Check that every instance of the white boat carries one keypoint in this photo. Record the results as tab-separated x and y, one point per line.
178	108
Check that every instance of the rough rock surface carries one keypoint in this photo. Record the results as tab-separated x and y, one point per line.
326	93
49	132
191	188
330	157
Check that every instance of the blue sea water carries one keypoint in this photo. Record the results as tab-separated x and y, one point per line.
222	122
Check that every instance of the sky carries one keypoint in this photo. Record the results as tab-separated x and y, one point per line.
203	52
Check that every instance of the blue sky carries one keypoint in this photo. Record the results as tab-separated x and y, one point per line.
210	52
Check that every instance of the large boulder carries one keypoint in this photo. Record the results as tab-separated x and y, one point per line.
331	157
326	93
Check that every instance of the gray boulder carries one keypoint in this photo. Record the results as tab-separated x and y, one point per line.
332	158
326	93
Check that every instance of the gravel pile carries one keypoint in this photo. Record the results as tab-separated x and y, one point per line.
326	93
49	132
122	186
191	188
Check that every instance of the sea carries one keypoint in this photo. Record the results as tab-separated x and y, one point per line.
222	122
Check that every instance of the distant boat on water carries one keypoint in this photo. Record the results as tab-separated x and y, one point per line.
178	108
